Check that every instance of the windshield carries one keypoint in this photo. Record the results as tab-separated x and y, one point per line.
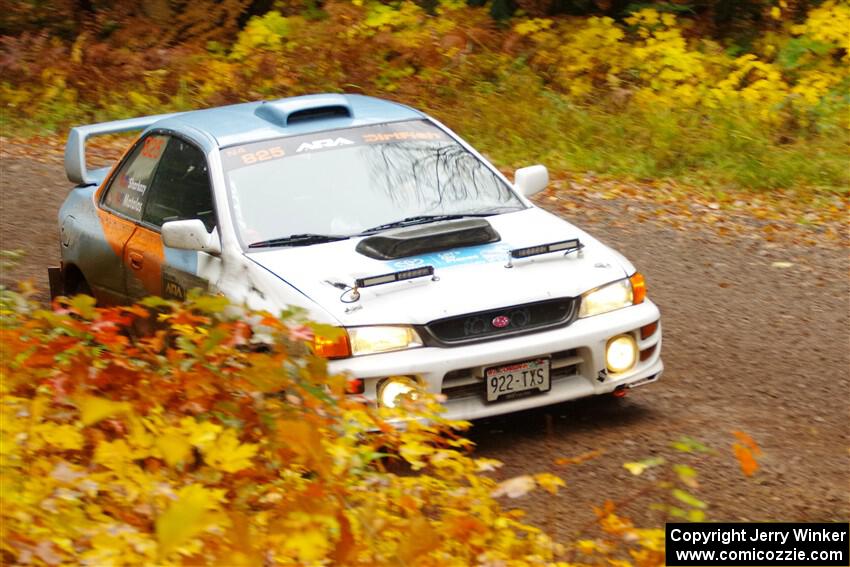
343	182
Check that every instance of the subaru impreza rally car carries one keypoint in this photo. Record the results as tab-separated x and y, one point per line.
375	218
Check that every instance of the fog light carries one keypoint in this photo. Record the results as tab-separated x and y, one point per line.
392	389
621	353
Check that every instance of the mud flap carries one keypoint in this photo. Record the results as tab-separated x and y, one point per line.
56	281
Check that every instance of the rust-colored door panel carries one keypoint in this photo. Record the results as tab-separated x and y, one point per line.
107	276
144	258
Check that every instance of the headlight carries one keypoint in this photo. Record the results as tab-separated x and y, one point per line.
370	340
607	298
621	353
393	388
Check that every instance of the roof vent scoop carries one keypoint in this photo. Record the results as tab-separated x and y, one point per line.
288	111
406	242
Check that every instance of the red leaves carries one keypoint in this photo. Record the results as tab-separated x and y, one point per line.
578	459
746	450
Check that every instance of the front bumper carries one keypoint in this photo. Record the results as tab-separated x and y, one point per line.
578	363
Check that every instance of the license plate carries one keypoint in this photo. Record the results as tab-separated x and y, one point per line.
517	379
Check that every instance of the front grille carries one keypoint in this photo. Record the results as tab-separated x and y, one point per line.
469	382
495	323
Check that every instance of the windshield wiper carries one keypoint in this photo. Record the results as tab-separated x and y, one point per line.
298	240
423	219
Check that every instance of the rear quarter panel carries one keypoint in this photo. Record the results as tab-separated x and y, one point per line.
93	241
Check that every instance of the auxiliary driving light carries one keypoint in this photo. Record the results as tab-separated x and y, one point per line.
621	353
394	388
395	277
564	245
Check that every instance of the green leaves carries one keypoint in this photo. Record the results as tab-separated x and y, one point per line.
688	498
687	475
689	445
795	51
84	305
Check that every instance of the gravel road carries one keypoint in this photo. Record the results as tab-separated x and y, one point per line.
748	345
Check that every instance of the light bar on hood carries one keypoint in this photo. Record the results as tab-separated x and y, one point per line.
565	246
394	277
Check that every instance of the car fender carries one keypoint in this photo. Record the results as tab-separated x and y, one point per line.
248	283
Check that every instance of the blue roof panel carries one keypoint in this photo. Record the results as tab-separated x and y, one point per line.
239	123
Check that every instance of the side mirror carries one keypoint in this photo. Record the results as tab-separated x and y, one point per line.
532	179
190	235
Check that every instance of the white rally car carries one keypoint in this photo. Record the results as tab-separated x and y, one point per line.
375	218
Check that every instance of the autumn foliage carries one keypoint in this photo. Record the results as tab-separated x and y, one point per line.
199	433
650	90
131	61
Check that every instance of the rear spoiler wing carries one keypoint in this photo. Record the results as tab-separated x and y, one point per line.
75	148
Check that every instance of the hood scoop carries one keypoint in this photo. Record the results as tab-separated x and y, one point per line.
413	241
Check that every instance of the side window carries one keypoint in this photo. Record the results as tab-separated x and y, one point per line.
181	187
127	190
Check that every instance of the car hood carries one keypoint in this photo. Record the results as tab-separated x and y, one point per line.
468	279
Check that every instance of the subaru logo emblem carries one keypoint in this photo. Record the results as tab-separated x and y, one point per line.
500	322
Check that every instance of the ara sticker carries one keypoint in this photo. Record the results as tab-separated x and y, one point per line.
325	143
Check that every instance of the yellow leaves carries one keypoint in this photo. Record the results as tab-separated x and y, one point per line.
451	463
65	437
228	454
261	32
114	454
487	465
245	477
219	446
829	23
638	468
93	409
187	516
664	66
420	539
652	539
403	19
413	452
307	546
644	17
532	26
586	546
175	449
201	434
549	482
132	498
305	440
